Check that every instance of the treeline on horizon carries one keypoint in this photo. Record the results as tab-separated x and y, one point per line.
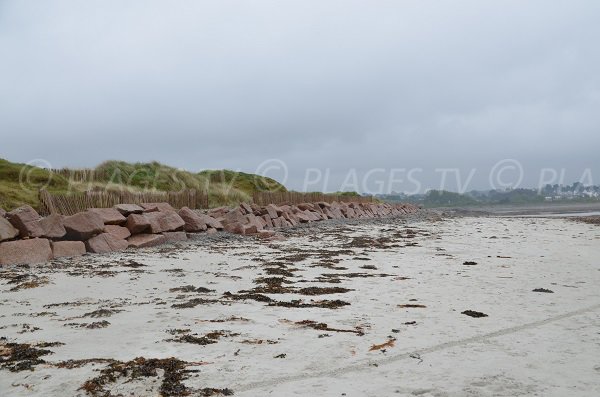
550	193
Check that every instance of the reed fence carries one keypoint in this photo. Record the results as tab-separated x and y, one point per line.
80	175
278	198
72	203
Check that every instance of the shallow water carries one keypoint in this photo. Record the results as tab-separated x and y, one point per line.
562	215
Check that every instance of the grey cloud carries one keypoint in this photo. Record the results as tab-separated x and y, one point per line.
317	84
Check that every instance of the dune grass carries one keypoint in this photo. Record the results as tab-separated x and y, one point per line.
223	194
243	181
19	183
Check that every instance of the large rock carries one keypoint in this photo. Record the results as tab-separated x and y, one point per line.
313	216
7	230
2	213
165	221
327	213
348	212
262	222
234	227
54	227
255	221
278	222
335	211
127	209
27	220
110	216
374	209
155	207
239	228
211	222
172	237
137	223
246	208
105	242
268	221
273	211
35	250
250	229
83	226
359	212
290	217
304	217
234	216
306	206
68	248
117	231
193	221
145	240
218	212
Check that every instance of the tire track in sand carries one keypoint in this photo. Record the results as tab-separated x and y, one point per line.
402	356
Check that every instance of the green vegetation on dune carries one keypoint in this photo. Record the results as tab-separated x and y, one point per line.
165	178
34	176
19	183
149	176
243	181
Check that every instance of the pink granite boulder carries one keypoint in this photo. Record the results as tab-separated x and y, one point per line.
211	222
7	230
234	227
35	250
157	207
193	221
164	221
83	226
62	249
218	212
137	223
27	221
117	231
128	209
273	211
268	221
234	216
172	237
145	240
104	243
54	227
110	216
246	209
255	221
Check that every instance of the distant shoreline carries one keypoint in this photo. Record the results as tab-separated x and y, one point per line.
533	209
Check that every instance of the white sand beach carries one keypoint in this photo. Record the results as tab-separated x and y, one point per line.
391	325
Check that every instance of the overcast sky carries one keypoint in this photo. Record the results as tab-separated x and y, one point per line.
345	86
